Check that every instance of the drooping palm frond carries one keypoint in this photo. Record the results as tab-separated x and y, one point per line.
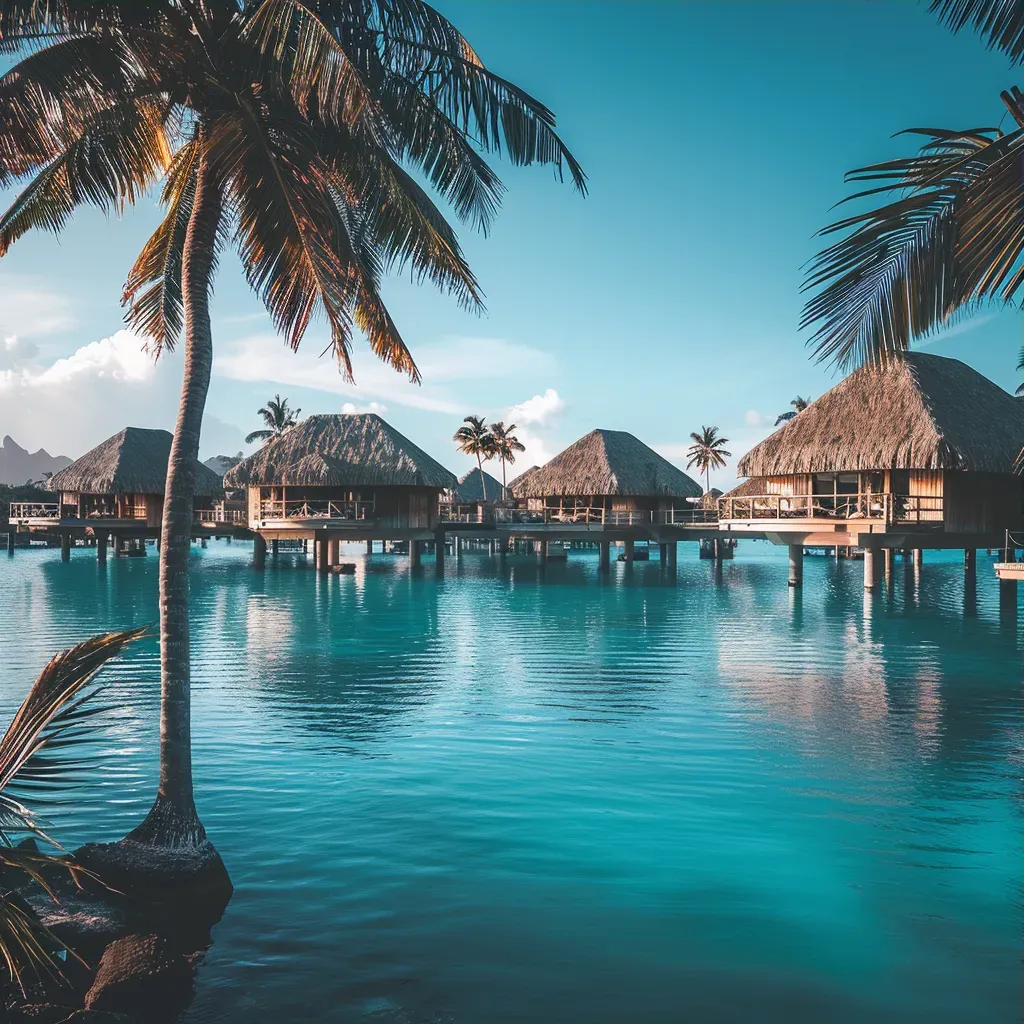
55	717
954	237
999	22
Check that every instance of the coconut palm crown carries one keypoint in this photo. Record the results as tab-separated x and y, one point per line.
296	131
277	416
799	404
506	445
707	452
946	237
475	438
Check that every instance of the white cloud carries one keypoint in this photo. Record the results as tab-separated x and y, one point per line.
14	351
351	409
540	409
29	310
264	358
77	401
753	418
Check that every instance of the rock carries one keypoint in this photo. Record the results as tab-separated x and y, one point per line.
344	569
40	1013
142	975
100	1017
84	920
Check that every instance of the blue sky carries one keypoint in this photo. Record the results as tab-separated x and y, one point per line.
715	136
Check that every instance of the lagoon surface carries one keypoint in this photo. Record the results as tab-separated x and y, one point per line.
523	794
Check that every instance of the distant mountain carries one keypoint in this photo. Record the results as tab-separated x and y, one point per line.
220	464
18	465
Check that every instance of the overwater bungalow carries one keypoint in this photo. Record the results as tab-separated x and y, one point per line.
608	477
467	499
117	489
342	477
915	453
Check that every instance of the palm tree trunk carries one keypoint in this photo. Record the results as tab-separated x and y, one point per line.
173	821
483	482
504	485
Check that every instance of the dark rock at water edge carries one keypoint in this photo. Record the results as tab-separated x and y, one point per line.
142	975
52	1013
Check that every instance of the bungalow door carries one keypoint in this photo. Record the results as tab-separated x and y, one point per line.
419	510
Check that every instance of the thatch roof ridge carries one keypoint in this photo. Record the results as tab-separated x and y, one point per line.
607	462
132	461
340	450
470	489
515	481
922	411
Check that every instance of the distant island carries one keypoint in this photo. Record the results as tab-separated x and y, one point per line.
220	464
18	465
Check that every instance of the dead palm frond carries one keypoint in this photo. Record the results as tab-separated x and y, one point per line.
52	723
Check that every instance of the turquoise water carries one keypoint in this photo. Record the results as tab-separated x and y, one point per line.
523	794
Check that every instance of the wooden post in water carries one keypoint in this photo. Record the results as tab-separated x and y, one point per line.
259	551
369	546
870	569
627	547
796	564
440	549
672	553
65	547
101	546
542	552
604	556
10	539
970	562
887	554
275	547
414	554
918	559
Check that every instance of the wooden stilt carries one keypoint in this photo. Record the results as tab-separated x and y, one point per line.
275	547
333	551
887	554
101	546
796	564
259	552
414	554
440	550
10	540
65	547
918	559
627	547
870	569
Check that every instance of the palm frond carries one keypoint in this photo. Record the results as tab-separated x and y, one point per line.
159	313
52	716
946	243
999	22
115	160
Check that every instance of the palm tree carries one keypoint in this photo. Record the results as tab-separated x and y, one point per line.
53	720
708	452
295	129
506	444
947	237
799	404
474	437
278	418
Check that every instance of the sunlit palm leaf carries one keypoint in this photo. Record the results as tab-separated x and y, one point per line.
999	22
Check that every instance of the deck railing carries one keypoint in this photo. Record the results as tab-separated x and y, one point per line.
333	510
582	516
21	510
876	507
220	515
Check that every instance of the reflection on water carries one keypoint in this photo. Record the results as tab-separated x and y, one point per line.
536	792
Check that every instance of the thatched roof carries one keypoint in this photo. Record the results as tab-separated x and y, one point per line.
755	485
517	480
133	461
919	412
471	489
340	451
609	462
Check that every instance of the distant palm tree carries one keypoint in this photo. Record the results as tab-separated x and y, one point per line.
799	404
474	437
506	444
708	452
946	237
278	418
